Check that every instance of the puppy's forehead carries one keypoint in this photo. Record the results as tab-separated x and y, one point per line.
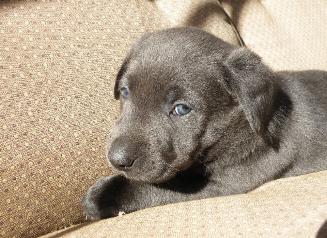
176	57
151	82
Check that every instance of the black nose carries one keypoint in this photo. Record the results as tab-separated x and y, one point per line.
122	154
121	160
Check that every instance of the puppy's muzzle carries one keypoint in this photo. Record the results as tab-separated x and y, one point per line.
123	153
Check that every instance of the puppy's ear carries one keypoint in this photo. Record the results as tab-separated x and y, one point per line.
252	83
120	74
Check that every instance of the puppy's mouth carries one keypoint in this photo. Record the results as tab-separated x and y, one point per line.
155	172
129	166
155	175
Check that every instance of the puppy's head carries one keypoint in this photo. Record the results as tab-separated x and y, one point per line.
181	91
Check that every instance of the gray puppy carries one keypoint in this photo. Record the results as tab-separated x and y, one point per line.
202	118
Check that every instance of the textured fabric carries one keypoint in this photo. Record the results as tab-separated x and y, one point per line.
58	61
292	207
288	35
205	14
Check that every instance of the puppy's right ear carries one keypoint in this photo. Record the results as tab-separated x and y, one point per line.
119	76
265	105
252	82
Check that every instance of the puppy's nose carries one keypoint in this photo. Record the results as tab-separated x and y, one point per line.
121	155
121	160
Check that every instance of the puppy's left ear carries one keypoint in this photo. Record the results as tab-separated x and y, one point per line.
252	83
120	74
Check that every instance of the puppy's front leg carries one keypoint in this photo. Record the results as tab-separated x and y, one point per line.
114	194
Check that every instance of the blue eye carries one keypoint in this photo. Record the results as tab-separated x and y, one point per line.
124	92
181	110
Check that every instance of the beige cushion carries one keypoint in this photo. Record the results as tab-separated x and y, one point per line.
289	35
292	207
58	61
205	14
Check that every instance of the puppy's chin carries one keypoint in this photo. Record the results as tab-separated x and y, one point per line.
156	176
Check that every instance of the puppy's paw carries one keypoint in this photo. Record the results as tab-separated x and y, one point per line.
100	201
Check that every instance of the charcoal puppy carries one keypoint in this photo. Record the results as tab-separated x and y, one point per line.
202	118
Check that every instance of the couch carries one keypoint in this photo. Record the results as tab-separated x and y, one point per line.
58	60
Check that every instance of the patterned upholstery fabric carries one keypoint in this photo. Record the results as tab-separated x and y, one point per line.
289	35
